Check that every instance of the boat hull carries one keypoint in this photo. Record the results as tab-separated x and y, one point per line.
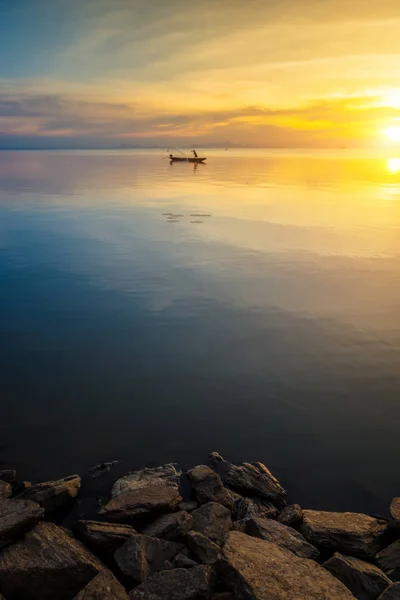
191	160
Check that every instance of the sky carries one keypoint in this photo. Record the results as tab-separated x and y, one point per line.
268	73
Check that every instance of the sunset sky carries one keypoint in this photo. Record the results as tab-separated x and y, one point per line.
284	73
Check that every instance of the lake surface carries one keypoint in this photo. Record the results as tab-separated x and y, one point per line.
269	330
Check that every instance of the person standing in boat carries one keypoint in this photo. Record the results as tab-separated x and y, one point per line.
195	153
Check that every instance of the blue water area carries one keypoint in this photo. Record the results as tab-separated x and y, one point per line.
152	312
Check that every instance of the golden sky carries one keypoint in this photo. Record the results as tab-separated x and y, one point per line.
296	73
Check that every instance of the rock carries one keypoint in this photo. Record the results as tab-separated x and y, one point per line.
256	479
292	516
212	520
364	580
208	486
203	548
16	517
103	536
5	491
391	593
389	560
258	570
103	587
52	495
181	561
144	502
395	512
46	564
102	469
21	487
255	507
9	475
223	596
283	536
167	475
177	584
188	506
141	556
350	533
170	527
215	459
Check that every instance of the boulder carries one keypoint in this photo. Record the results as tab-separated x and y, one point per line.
203	548
215	459
364	580
102	469
283	536
170	527
212	520
9	475
177	584
258	570
350	533
141	556
395	512
103	536
255	478
391	593
292	516
5	491
208	486
21	486
167	475
52	495
255	507
188	506
103	587
16	517
144	502
46	564
389	560
181	561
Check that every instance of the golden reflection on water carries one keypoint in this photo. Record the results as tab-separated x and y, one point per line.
393	165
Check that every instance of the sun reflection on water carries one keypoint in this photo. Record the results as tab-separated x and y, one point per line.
393	165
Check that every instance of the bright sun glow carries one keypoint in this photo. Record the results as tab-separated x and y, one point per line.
393	165
393	133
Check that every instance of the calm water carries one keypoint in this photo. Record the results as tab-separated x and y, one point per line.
268	331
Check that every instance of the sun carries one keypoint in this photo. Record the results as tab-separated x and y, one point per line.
393	133
393	165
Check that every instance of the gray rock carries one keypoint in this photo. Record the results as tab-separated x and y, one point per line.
188	506
46	564
292	516
203	548
103	536
258	570
141	556
170	527
364	580
167	475
395	512
5	491
102	469
208	486
52	495
177	584
350	533
255	507
16	517
283	536
212	520
389	560
103	587
144	502
181	561
9	475
256	479
391	593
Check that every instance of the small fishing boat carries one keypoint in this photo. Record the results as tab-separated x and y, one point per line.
184	159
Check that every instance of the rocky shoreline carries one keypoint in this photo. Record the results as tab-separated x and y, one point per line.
216	532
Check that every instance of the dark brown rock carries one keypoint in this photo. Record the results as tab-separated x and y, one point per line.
203	548
177	584
391	593
102	469
255	507
141	556
292	516
144	502
256	479
350	533
167	475
46	565
52	495
208	486
258	570
103	536
188	506
215	458
364	580
21	487
395	512
170	527
283	536
9	475
389	560
212	520
5	491
16	517
103	587
181	561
